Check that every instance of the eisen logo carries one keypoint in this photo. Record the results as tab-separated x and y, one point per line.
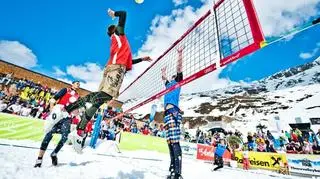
254	161
276	161
233	57
209	69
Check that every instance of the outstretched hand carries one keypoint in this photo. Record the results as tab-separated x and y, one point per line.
147	58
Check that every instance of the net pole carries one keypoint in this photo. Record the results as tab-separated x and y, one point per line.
293	32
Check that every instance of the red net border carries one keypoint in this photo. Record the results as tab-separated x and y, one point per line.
258	39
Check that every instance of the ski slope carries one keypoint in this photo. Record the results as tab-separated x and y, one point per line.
17	159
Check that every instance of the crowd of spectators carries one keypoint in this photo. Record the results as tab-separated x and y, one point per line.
293	141
27	98
24	97
128	124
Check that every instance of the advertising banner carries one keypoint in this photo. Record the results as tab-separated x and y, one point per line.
206	152
189	150
263	160
305	164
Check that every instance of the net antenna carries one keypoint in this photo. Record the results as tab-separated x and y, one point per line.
227	32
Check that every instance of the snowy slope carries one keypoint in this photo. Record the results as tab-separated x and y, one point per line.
17	162
291	93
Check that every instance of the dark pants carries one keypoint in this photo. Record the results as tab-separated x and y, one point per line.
63	128
105	134
175	158
96	99
218	161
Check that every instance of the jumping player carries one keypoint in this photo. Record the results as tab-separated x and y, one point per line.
173	118
119	63
64	97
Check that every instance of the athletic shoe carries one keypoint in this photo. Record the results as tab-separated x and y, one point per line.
38	163
77	141
54	159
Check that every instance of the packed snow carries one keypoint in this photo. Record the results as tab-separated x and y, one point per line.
17	162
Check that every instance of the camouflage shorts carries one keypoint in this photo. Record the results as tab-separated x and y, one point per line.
112	79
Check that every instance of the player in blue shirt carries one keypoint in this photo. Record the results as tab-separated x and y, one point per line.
173	118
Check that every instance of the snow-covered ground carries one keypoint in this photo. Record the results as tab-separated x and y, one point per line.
17	162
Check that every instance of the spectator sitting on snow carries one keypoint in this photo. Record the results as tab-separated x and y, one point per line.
254	136
311	136
307	147
104	129
26	109
291	148
294	136
198	134
155	130
250	141
272	149
201	138
317	137
267	148
299	135
283	139
298	148
3	104
134	128
14	108
146	130
261	145
270	136
316	148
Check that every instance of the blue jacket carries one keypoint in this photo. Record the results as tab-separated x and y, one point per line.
220	150
173	96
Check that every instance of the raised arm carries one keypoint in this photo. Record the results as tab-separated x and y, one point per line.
164	74
179	76
179	63
122	20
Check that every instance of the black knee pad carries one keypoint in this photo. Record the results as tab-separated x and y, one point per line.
100	98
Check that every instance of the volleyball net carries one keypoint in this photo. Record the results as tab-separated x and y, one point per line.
227	32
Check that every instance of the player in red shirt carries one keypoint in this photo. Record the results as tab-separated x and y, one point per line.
119	63
63	98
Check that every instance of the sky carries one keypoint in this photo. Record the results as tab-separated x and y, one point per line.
67	39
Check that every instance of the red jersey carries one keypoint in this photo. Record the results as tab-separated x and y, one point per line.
120	52
145	132
69	97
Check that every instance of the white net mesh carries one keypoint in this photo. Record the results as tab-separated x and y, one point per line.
218	34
